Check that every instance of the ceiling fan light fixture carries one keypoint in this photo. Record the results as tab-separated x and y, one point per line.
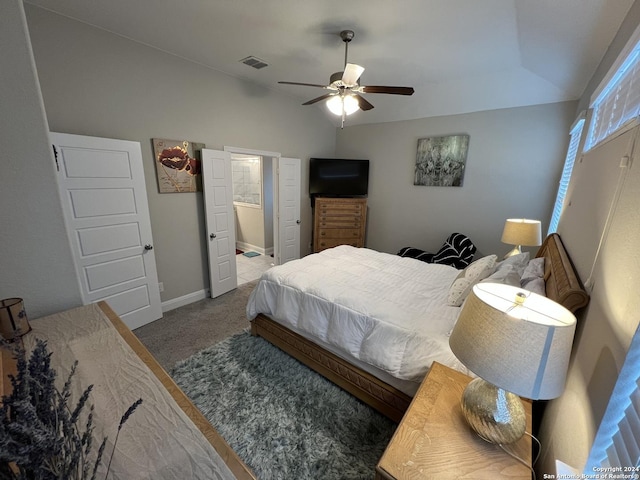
337	103
345	90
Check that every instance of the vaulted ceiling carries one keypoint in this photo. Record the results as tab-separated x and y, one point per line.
459	55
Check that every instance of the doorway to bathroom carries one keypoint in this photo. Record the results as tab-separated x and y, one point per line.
266	204
252	180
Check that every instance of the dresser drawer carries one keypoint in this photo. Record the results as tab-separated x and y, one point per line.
333	222
339	233
340	209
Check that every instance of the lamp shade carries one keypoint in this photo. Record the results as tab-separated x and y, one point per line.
13	319
517	340
521	231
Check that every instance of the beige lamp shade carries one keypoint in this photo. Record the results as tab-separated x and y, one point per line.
522	231
515	339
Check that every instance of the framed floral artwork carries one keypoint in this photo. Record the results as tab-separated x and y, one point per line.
178	165
440	161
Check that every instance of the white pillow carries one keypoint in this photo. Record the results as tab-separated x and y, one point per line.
536	285
467	278
507	275
535	269
519	261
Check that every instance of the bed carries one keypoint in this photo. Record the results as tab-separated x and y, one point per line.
380	320
166	437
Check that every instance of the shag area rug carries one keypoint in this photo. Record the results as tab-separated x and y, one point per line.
284	420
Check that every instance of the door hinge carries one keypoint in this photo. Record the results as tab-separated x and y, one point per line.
55	154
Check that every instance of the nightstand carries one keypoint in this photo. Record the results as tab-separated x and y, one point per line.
434	441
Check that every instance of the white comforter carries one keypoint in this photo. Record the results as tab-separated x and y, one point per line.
382	309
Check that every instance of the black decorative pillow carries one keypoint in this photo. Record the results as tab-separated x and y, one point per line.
416	253
448	256
457	251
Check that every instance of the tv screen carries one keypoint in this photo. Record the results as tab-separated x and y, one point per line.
338	177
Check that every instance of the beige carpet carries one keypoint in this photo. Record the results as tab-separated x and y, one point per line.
186	330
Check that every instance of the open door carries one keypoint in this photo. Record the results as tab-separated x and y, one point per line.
220	222
104	200
287	211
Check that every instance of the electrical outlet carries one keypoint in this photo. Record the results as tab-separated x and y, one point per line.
161	287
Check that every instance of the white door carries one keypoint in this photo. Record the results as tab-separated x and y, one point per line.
104	200
287	211
220	221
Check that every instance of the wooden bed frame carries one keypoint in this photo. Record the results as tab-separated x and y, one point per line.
562	285
235	464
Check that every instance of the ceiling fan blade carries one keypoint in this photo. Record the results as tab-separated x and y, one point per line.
318	99
364	104
351	74
391	90
304	84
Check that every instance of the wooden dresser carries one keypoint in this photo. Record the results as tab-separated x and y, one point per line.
434	442
339	221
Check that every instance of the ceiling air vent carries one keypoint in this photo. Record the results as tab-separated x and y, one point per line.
254	62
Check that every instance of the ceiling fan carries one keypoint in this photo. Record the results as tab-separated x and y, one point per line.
344	97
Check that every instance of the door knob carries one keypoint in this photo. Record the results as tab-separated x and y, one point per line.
212	236
298	222
148	247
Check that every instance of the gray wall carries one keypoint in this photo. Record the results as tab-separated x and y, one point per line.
35	258
99	84
513	166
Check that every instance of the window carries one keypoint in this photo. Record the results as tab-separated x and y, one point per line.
246	173
617	100
616	443
572	153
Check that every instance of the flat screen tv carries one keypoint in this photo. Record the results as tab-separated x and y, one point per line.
338	177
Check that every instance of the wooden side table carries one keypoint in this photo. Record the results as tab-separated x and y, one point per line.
8	366
434	441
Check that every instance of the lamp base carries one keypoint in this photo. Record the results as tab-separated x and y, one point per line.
516	250
496	415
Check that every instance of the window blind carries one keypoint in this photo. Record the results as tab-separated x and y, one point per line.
619	101
572	153
617	442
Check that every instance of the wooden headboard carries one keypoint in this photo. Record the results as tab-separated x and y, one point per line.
561	280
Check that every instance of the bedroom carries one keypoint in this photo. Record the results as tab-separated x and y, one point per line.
73	78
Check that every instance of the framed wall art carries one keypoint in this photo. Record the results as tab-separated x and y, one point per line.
440	161
178	165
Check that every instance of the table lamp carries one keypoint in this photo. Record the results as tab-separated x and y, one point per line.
521	231
518	343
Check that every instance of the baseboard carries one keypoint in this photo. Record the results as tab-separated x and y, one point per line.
184	300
